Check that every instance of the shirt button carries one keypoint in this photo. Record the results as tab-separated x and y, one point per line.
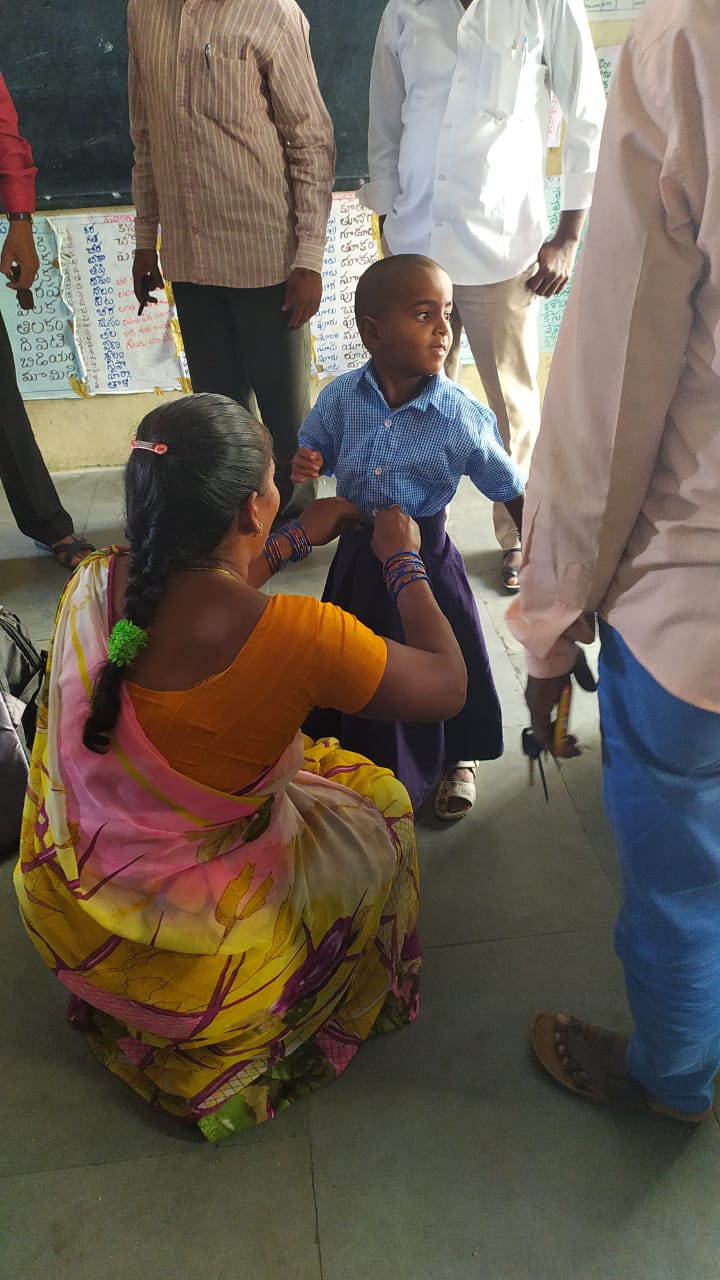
374	511
378	471
447	126
441	177
388	422
461	79
438	224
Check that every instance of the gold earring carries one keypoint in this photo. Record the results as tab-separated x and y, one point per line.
259	529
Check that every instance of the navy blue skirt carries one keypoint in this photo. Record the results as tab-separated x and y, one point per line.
418	754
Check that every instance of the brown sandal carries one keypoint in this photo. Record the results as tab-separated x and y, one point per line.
593	1065
70	554
510	572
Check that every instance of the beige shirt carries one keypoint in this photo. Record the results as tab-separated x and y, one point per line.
623	506
234	150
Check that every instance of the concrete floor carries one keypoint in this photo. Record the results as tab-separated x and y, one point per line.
443	1153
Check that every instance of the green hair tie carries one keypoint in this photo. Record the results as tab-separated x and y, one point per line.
125	643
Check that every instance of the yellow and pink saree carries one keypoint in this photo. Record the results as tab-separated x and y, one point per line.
224	954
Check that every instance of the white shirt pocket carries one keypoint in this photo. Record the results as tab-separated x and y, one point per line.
498	80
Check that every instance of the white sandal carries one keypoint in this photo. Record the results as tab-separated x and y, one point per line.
451	787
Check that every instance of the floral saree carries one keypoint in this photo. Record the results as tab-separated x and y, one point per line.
224	953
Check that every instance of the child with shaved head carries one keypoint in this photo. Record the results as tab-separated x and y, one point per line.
399	432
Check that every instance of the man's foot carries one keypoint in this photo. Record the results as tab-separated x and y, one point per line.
456	794
511	569
591	1061
71	551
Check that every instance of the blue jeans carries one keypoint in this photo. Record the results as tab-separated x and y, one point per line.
661	776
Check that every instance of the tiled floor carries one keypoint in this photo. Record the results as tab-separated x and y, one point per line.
443	1153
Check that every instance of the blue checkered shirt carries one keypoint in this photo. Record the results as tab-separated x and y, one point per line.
414	455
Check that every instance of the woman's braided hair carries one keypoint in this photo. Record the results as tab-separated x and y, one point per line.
178	507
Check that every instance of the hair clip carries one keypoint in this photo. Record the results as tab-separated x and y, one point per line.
147	444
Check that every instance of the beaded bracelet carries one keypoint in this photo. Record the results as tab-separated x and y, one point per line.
298	539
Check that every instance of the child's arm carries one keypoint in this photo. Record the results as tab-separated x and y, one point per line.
318	449
492	470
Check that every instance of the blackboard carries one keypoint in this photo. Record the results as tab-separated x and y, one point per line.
66	67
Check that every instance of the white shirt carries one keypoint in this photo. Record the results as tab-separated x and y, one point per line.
459	108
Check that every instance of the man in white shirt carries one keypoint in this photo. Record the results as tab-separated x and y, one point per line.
459	107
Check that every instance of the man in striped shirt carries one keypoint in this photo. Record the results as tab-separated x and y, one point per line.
234	159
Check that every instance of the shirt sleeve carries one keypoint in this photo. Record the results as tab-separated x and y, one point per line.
319	431
348	660
620	353
147	215
17	169
307	133
387	95
575	78
489	466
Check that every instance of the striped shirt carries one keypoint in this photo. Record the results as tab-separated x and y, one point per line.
413	455
234	150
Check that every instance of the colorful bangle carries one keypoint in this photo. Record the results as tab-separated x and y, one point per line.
402	568
401	565
405	582
299	542
402	555
400	562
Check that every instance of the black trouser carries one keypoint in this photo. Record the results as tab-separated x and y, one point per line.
238	344
31	493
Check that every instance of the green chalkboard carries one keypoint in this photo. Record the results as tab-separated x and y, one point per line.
66	67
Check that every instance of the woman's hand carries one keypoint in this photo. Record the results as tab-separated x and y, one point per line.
394	531
326	518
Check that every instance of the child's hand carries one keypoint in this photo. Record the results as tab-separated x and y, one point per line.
306	465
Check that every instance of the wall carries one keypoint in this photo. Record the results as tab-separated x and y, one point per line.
95	432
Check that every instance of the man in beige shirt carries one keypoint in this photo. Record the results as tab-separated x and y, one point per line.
622	517
234	160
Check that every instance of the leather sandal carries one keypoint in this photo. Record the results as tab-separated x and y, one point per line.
451	787
590	1061
70	554
510	572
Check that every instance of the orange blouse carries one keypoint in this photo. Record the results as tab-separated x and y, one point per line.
228	729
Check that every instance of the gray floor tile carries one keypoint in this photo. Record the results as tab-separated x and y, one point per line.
245	1212
58	1106
31	585
514	866
602	839
445	1153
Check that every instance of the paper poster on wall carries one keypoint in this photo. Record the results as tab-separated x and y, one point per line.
607	62
122	352
351	247
605	10
552	309
47	362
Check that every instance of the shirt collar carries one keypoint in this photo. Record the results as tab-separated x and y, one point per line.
435	393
